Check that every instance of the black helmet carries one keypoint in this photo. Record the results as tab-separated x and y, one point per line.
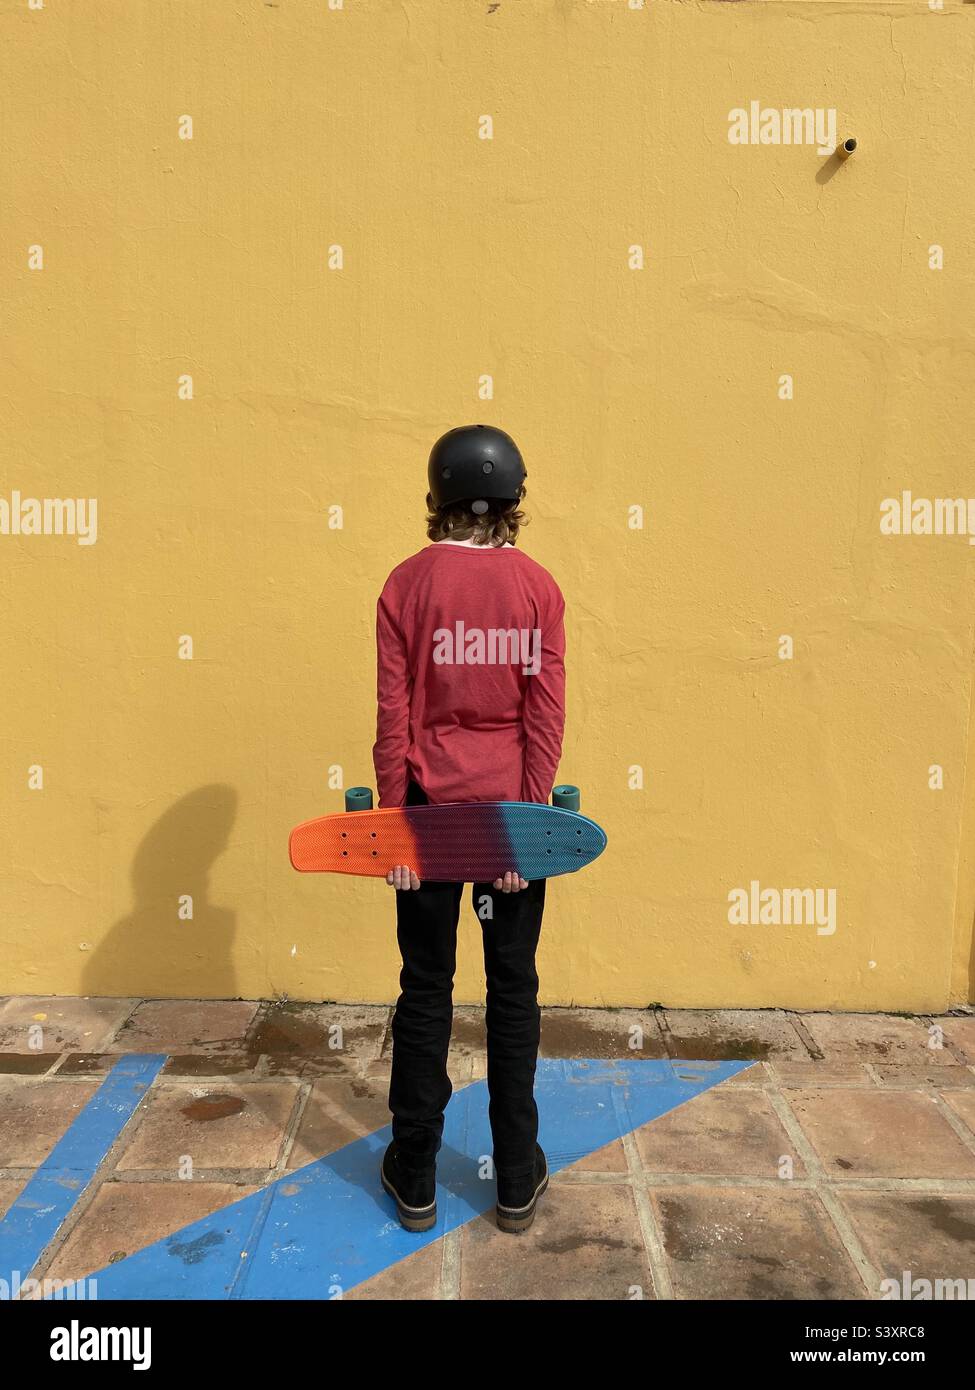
475	463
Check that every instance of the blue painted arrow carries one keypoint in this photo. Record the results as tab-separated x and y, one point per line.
321	1230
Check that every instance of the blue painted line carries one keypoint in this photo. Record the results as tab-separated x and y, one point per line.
329	1226
33	1220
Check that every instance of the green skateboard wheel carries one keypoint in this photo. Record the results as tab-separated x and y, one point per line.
566	798
358	799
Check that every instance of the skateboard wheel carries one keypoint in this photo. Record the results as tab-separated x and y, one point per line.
358	799
566	798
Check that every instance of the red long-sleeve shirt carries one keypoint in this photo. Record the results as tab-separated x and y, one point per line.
470	647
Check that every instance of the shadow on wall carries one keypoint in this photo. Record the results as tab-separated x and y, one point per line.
154	951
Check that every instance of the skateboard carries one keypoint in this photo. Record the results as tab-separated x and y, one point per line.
459	842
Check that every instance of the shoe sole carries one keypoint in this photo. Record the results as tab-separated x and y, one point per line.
514	1220
412	1218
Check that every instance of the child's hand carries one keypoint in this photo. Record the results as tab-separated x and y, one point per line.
511	883
402	878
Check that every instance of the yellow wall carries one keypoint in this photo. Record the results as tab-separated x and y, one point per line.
657	387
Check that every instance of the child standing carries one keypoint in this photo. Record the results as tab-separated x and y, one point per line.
471	707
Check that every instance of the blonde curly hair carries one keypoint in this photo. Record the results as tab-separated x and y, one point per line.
500	523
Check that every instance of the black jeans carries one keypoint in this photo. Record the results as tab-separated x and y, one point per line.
426	928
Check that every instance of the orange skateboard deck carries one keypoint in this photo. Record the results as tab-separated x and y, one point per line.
461	842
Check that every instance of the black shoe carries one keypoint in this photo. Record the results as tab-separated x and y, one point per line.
517	1197
413	1186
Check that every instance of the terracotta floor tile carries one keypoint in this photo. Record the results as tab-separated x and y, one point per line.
600	1033
415	1278
959	1033
813	1074
186	1025
328	1032
586	1243
963	1104
27	1063
874	1038
222	1125
34	1115
752	1244
10	1190
609	1159
338	1111
917	1078
931	1235
719	1133
128	1216
733	1034
67	1024
897	1134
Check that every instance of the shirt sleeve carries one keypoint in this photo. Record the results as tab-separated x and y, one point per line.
394	685
543	714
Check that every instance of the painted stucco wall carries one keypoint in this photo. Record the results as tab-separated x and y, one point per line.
344	266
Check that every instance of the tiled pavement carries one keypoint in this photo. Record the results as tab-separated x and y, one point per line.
843	1156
